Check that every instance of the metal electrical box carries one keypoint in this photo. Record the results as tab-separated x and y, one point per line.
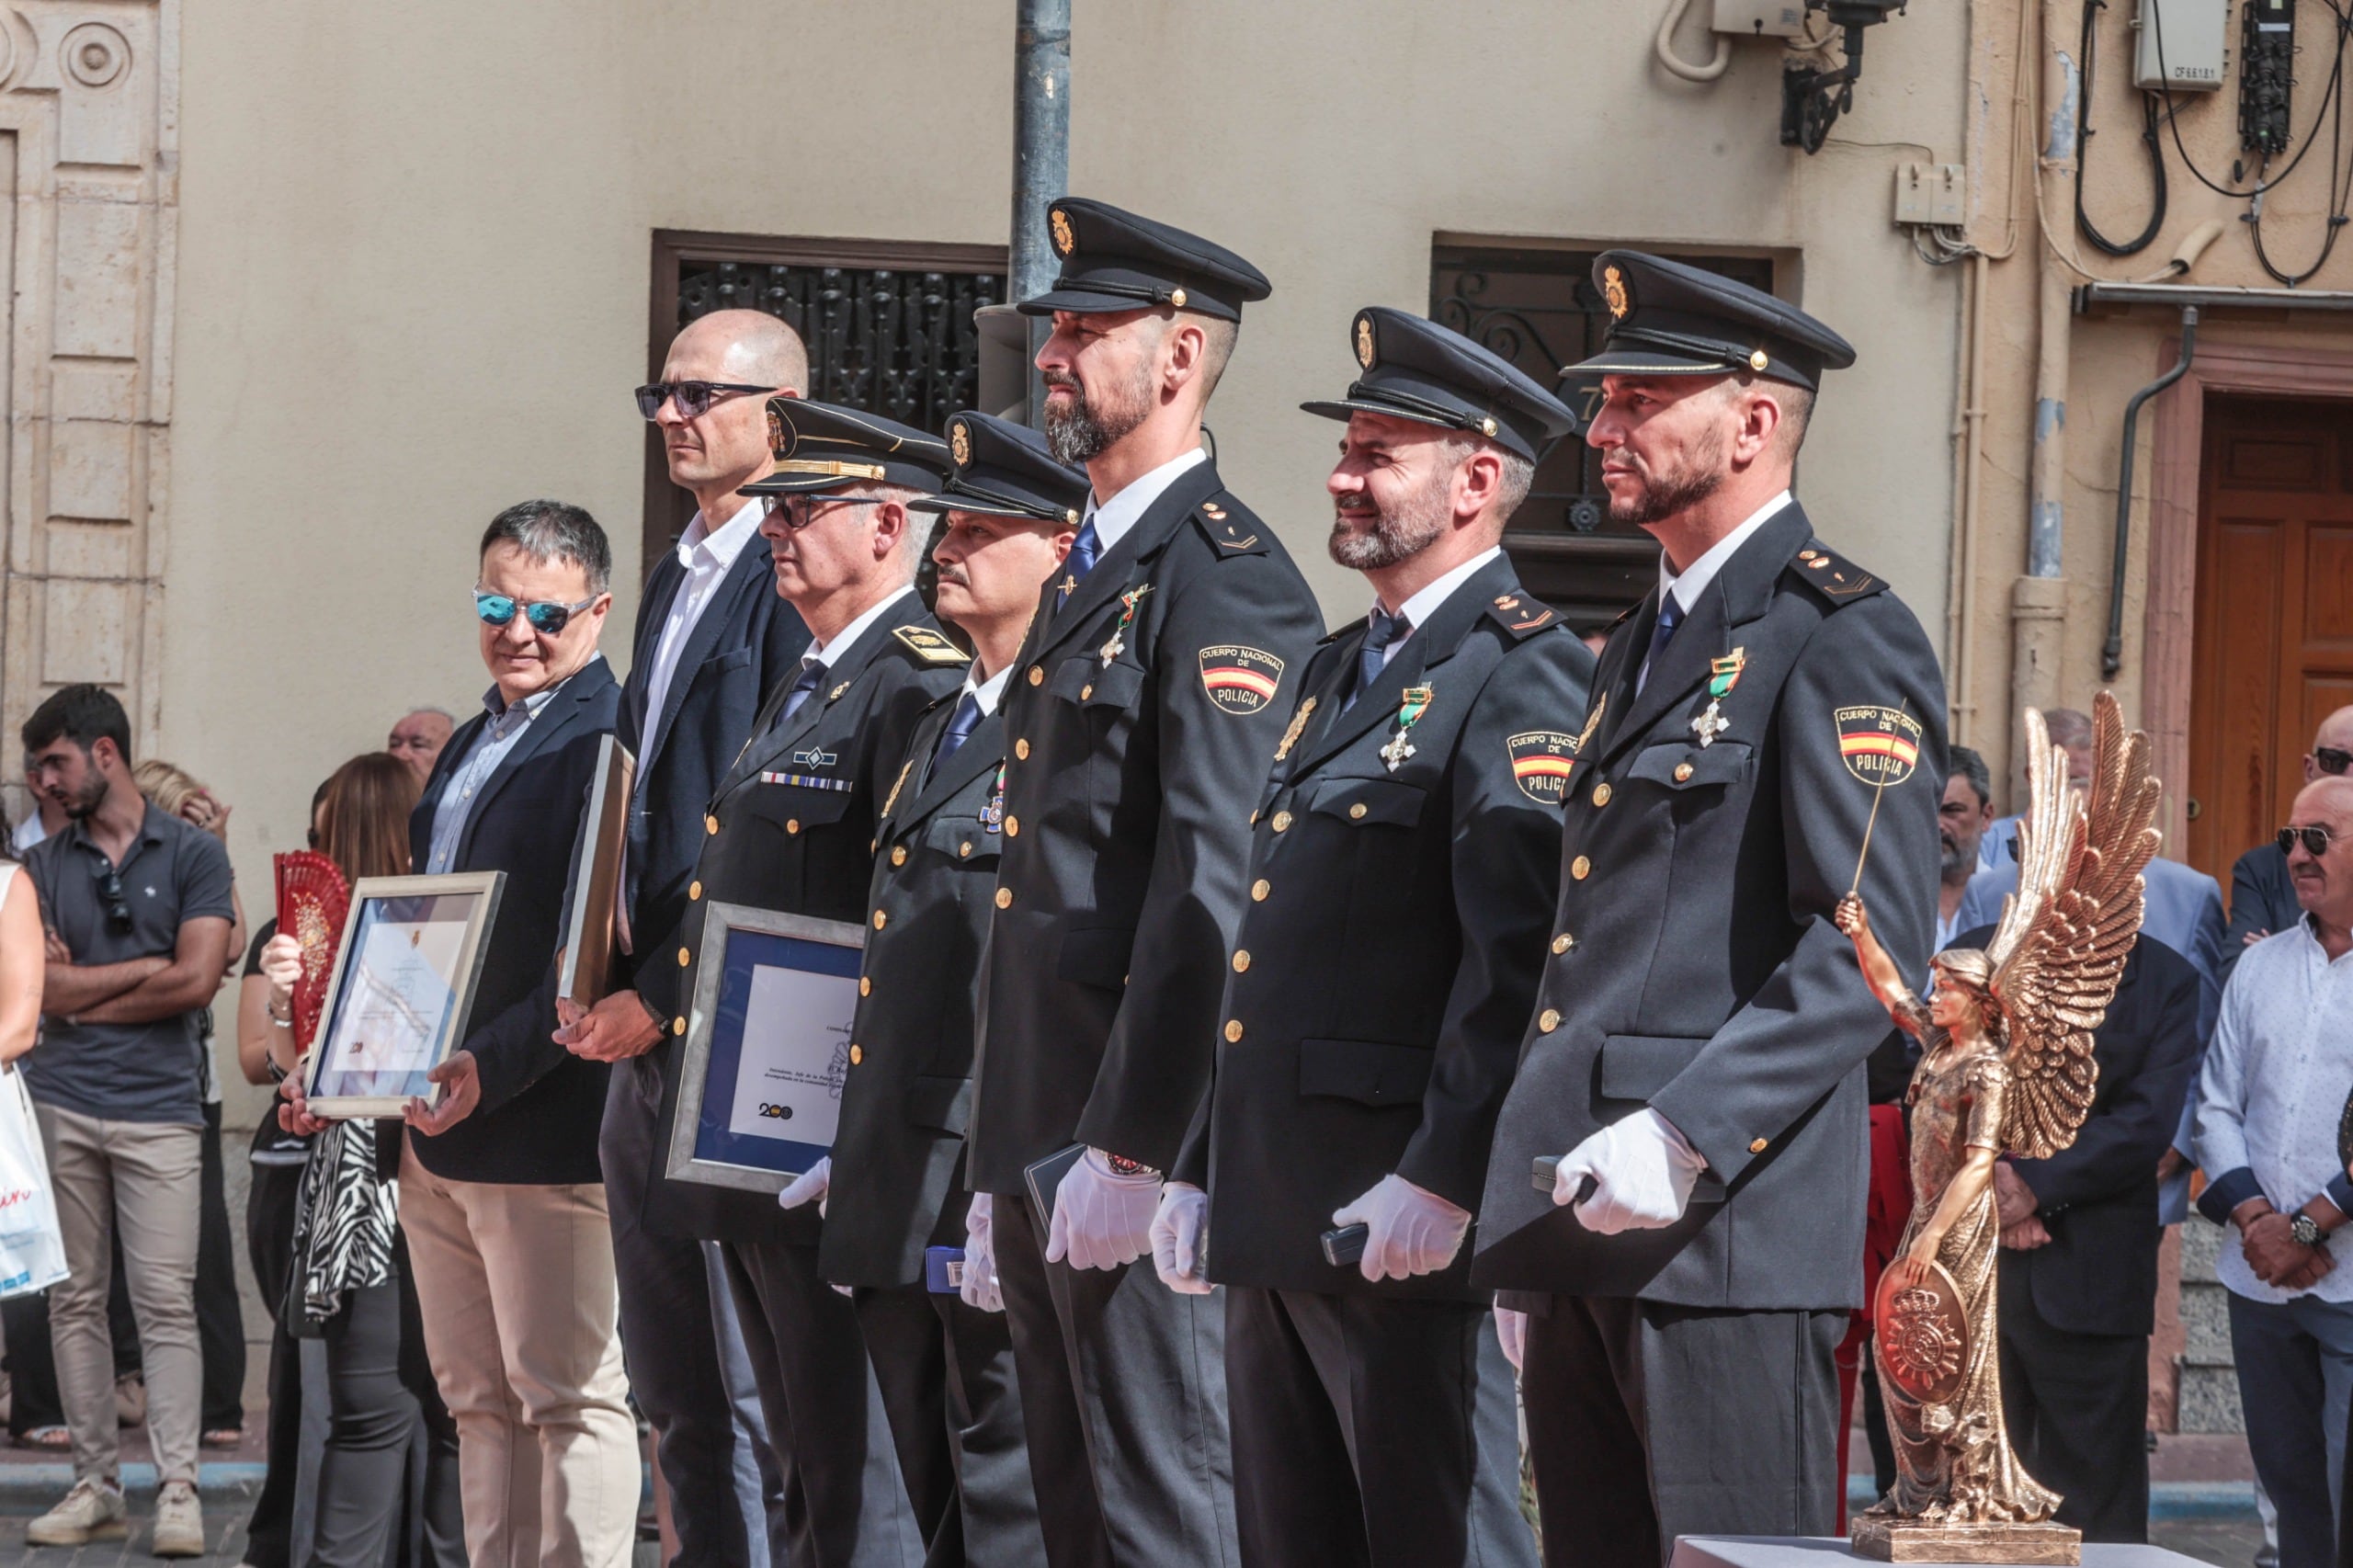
1761	19
2180	46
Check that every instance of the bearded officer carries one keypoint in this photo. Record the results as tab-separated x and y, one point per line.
792	829
1402	871
1151	689
893	1186
1696	1059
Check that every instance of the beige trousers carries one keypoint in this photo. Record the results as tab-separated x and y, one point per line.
141	1175
522	1325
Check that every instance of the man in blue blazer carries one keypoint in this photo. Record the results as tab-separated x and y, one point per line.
505	1213
712	640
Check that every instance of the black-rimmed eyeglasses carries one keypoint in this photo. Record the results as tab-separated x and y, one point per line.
694	398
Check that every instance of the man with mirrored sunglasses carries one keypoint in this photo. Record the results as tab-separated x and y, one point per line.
2263	896
712	640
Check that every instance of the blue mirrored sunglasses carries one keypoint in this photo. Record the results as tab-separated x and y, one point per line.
547	617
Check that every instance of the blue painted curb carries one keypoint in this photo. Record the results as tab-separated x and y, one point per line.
2167	1499
48	1481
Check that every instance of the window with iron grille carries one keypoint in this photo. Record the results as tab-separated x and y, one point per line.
1539	309
889	326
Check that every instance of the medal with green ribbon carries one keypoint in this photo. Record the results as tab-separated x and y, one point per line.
1111	649
1722	675
1409	712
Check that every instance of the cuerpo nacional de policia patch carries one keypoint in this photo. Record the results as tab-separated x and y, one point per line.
1240	680
1542	761
1879	746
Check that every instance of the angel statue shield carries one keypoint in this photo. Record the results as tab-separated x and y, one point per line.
2005	1067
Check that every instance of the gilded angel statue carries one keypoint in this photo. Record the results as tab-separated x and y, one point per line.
2005	1066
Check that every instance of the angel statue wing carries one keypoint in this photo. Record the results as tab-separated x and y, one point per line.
2061	946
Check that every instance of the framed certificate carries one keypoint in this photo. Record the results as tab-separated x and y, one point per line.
589	925
403	983
766	1047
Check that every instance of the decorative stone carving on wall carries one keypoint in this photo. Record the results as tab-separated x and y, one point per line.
89	159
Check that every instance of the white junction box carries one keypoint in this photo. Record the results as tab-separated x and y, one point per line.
1932	193
1761	19
2187	37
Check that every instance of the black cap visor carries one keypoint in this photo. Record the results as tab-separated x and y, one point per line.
807	475
958	498
1101	290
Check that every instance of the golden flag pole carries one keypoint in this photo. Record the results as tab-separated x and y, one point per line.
1877	795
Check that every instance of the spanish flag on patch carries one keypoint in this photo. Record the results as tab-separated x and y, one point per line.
1880	745
1240	680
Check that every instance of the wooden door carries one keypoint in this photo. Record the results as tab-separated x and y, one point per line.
2274	650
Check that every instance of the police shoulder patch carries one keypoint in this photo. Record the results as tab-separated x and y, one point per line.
1542	761
1520	614
1879	746
1831	576
1240	680
930	646
1230	528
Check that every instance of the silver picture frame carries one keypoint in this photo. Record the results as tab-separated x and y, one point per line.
326	1070
702	1149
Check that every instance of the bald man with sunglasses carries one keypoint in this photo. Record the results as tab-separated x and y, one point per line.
713	638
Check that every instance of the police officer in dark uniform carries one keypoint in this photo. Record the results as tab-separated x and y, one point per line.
893	1187
1148	696
1404	871
792	829
1696	1063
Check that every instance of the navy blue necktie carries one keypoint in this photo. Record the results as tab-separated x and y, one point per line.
813	676
1670	616
961	725
1079	562
1382	628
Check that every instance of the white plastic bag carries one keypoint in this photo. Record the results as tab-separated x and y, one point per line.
32	1249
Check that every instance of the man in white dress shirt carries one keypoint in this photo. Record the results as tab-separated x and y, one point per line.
2271	1102
712	640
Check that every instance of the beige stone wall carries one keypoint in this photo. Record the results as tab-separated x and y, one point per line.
414	269
2111	355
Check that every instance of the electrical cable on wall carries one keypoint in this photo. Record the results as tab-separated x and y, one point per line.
1665	46
2084	133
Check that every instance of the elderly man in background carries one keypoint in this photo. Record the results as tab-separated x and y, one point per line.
501	1200
1962	818
712	640
419	738
2263	896
2269	1103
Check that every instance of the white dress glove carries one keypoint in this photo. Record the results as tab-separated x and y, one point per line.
812	1185
1642	1170
1511	1333
1102	1219
979	1287
1177	1229
1409	1231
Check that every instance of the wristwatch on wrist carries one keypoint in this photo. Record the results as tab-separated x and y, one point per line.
2305	1229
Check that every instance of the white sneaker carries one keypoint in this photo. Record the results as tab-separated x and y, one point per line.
92	1511
179	1521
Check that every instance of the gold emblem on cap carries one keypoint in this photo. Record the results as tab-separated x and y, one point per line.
1487	427
777	436
1064	241
1613	289
1759	360
960	445
1176	298
1364	342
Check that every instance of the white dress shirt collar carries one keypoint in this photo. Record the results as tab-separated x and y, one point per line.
1419	609
1688	585
1113	519
989	692
723	546
845	639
